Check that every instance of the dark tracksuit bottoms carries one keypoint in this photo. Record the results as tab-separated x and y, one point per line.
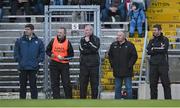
89	73
24	76
57	70
161	71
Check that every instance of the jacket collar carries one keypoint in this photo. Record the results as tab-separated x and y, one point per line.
91	37
33	37
158	37
122	43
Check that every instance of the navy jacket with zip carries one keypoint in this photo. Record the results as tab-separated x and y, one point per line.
29	53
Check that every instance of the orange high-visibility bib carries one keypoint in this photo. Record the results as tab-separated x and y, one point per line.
59	49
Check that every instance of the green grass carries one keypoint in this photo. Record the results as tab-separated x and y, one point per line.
89	103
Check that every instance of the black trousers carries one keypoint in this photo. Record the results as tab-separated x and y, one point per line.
57	69
156	72
86	74
15	6
24	76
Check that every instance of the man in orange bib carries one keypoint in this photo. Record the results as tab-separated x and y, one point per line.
60	51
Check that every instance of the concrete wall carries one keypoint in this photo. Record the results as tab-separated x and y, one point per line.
144	91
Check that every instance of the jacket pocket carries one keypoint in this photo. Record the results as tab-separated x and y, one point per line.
35	63
21	64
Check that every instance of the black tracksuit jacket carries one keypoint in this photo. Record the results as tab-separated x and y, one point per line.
158	56
89	55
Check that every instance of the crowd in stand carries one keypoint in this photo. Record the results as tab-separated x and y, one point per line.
1	5
108	7
111	10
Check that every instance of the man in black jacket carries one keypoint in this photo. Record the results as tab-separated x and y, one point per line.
60	51
89	63
122	57
158	50
16	4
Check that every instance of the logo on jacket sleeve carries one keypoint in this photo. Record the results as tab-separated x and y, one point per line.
115	46
36	42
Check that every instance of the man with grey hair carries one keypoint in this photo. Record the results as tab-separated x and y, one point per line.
122	57
89	63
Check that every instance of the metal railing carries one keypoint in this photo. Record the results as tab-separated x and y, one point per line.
144	51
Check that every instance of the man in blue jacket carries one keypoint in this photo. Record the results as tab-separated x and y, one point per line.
29	51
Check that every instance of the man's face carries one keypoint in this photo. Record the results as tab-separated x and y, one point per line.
156	32
28	31
120	36
61	33
88	31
